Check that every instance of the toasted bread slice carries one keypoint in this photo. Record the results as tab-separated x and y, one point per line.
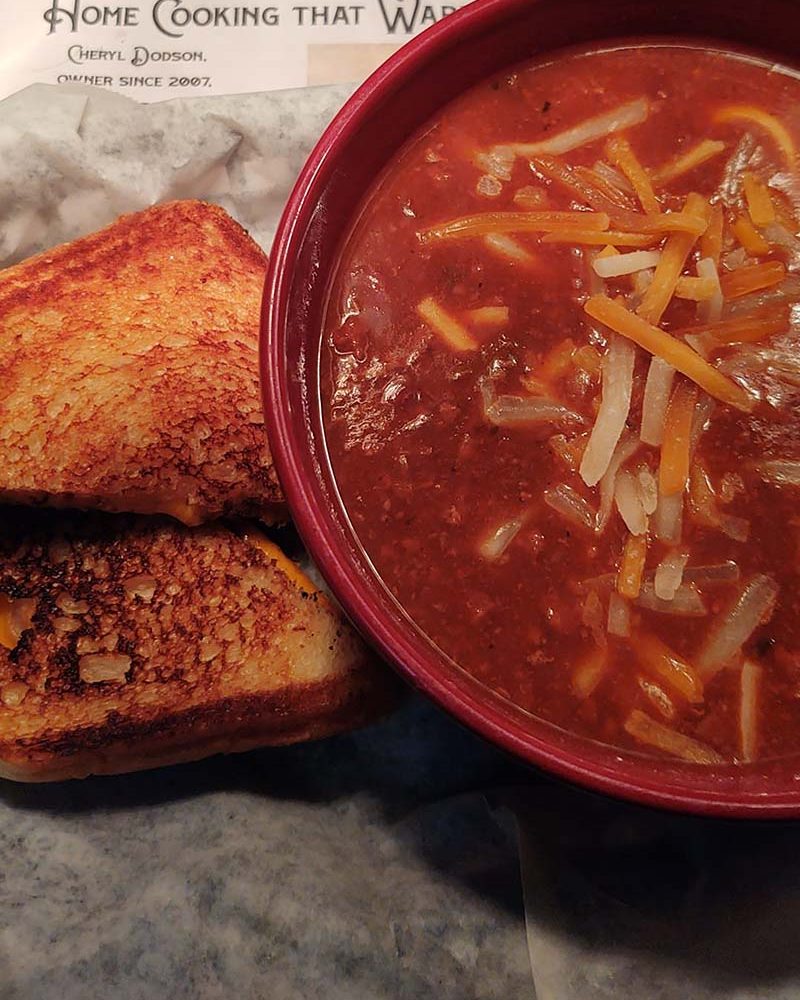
129	371
130	642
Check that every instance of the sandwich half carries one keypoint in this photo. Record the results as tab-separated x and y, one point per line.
129	642
129	371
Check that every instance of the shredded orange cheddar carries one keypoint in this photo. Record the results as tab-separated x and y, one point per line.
758	116
631	569
759	202
655	734
589	672
489	315
446	327
488	223
657	659
607	238
744	329
673	471
675	352
559	361
621	154
752	278
711	240
673	259
695	289
687	161
607	251
588	359
613	195
750	238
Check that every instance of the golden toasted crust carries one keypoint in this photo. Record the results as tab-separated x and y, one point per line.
211	645
129	366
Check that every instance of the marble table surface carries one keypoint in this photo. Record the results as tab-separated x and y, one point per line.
365	866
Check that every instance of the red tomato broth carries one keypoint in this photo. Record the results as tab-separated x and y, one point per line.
425	477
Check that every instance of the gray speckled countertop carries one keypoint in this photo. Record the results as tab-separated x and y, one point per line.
365	866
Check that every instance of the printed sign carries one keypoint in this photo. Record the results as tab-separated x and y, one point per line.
156	49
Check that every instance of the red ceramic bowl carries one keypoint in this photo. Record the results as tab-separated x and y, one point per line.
456	53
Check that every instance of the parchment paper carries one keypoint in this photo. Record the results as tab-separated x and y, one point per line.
366	866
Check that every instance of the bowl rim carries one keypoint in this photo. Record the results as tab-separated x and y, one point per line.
605	770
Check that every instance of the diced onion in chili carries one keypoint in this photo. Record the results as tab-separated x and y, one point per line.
705	510
657	696
616	400
504	246
629	505
780	236
570	505
686	602
498	162
446	327
521	411
690	160
657	659
726	572
748	710
730	188
700	421
669	574
619	616
593	618
779	471
498	540
625	263
489	315
613	177
657	389
654	734
589	130
589	672
731	630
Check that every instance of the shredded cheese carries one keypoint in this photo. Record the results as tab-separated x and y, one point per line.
752	278
446	327
673	472
486	223
631	569
673	259
750	238
621	154
769	123
685	162
677	354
